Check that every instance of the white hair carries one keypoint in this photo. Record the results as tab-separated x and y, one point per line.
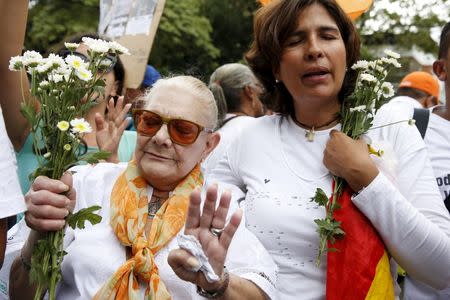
191	84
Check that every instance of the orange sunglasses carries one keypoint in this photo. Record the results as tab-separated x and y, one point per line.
181	132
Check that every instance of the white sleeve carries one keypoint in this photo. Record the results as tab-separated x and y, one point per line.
11	198
226	174
411	219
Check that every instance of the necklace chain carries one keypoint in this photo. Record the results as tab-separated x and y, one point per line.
310	130
154	206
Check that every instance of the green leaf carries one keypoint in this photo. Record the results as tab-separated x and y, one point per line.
95	157
78	219
320	198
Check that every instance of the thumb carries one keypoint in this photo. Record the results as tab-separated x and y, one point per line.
180	258
67	179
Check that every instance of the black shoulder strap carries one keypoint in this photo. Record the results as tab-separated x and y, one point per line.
422	116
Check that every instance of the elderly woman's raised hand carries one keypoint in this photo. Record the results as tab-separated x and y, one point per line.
110	131
48	202
349	159
215	246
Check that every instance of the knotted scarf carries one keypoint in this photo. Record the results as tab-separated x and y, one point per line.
129	211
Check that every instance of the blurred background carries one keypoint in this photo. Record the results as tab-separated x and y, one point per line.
196	36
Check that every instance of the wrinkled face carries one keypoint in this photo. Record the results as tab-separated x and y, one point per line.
313	61
162	162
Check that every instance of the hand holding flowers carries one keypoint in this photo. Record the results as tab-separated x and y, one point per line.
66	88
357	114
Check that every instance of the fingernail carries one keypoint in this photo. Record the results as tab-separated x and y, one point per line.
193	263
64	187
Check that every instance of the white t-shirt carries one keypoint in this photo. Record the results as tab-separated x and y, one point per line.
277	171
406	102
229	133
11	198
437	139
94	253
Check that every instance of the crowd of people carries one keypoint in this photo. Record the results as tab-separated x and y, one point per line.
207	193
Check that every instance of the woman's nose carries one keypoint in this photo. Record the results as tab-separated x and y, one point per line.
314	50
162	136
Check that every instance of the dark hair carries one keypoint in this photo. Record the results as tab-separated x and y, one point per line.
411	92
119	70
273	25
444	43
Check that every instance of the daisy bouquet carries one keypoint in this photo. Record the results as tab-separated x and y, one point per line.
65	88
357	114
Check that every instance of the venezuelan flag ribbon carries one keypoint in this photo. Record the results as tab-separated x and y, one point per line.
359	269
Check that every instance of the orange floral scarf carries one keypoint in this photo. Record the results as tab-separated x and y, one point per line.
129	210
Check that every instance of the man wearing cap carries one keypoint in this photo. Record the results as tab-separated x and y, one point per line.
437	139
418	89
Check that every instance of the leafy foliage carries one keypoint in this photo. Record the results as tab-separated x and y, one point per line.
403	23
78	219
194	36
51	21
183	41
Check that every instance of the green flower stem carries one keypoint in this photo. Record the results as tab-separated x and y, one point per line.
389	124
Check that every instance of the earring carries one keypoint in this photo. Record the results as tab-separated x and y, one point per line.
276	80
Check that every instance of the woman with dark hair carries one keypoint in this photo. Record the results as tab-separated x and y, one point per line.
107	118
302	52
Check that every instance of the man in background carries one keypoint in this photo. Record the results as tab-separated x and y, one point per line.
419	90
437	139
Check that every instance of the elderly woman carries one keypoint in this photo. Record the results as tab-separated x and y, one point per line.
144	207
303	52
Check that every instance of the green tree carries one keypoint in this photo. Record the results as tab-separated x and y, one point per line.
232	23
50	21
183	42
403	23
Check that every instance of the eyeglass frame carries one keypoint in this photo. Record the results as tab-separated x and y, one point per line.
166	120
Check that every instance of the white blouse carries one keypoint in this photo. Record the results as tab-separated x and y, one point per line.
277	171
95	253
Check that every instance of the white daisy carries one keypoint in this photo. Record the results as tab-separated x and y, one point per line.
80	126
71	46
84	74
360	65
16	63
75	62
368	77
118	48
